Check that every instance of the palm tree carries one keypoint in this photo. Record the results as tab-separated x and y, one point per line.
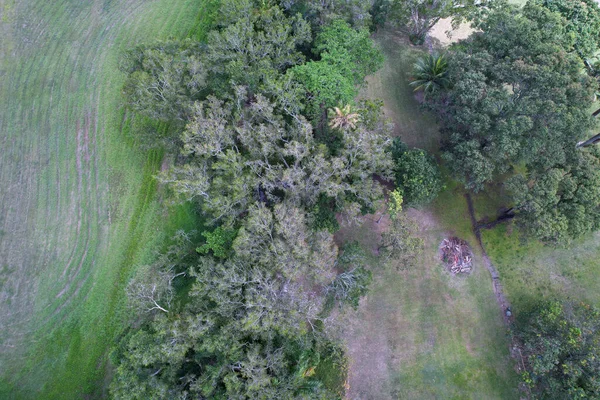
343	118
430	73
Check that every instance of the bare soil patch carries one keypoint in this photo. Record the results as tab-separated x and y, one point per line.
443	34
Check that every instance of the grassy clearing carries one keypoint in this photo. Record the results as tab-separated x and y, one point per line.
416	128
421	333
532	272
79	207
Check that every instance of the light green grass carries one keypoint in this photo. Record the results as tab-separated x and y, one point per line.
532	272
421	333
79	207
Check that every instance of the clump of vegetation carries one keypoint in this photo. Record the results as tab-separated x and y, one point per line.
417	174
517	104
430	74
562	350
250	320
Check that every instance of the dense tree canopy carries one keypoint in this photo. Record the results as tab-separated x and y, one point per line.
582	23
346	57
164	79
246	315
243	151
562	348
417	174
258	44
518	101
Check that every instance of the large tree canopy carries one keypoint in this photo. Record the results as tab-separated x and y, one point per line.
346	57
417	17
246	314
518	101
582	22
244	151
562	348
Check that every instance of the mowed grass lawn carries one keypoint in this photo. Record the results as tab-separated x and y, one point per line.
79	207
421	333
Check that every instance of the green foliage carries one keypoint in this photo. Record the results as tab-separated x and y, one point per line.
560	203
325	86
323	214
254	44
430	73
400	241
519	101
243	151
417	174
347	56
163	78
582	23
218	242
248	328
562	347
251	323
353	282
350	286
321	13
518	97
351	51
379	13
395	203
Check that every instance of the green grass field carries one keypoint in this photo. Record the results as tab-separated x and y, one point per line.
78	206
421	333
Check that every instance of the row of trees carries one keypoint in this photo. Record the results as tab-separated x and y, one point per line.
244	311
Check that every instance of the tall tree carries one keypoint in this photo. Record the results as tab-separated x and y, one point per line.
257	44
519	97
562	348
164	79
244	151
582	22
346	57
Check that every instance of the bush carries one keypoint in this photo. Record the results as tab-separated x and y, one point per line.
417	174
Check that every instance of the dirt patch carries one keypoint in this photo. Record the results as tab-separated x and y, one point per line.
442	34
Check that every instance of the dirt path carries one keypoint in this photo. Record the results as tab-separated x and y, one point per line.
496	285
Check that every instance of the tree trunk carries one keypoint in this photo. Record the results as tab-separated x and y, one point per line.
590	142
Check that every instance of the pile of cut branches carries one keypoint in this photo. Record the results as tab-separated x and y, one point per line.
457	255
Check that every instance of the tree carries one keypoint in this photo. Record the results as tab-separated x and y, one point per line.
582	22
257	44
244	151
400	241
347	56
249	322
560	203
152	288
430	73
562	348
322	12
164	79
343	118
218	242
417	17
517	97
417	174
